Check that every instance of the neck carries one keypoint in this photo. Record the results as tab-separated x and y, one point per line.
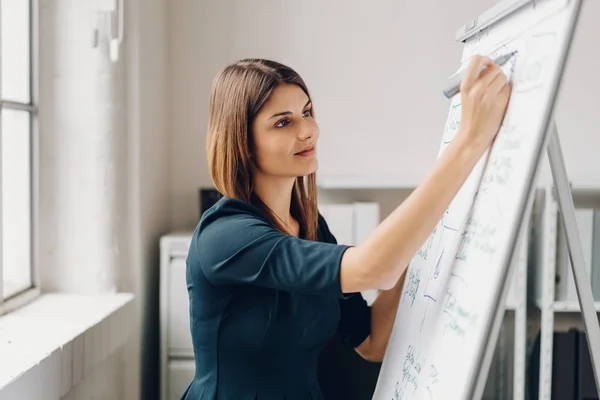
276	193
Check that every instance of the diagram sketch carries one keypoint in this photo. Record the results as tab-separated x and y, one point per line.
535	70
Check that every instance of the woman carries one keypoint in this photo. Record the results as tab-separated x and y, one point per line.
268	284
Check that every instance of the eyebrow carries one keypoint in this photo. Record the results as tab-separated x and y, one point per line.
279	114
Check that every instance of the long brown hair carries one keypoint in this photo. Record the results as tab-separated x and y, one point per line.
238	93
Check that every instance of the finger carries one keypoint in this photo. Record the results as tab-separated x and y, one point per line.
477	92
506	92
492	92
497	84
481	88
490	75
473	71
505	95
504	98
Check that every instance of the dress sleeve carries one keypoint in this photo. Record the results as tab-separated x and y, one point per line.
235	245
355	314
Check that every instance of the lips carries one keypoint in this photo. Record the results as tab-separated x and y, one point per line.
307	151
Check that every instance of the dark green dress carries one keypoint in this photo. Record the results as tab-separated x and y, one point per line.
263	305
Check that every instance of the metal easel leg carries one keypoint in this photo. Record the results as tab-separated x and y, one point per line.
582	282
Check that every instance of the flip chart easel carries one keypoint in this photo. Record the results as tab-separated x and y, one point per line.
453	300
582	280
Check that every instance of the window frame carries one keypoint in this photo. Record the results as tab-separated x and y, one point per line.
33	291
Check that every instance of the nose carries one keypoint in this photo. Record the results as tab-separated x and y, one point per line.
309	130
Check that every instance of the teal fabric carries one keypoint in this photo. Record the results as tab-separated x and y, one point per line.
263	305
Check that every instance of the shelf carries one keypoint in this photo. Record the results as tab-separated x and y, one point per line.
566	306
511	304
571	306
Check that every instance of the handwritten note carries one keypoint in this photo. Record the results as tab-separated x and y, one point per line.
411	287
477	238
458	317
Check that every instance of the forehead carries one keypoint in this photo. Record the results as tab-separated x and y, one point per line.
286	97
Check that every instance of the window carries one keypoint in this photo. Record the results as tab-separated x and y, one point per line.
18	136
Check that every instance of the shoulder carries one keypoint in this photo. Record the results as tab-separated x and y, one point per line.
229	228
227	219
229	208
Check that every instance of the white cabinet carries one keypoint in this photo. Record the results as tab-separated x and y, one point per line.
181	373
176	352
179	338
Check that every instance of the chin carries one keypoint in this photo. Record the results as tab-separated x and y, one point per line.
310	169
296	171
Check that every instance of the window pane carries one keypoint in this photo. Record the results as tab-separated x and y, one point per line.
15	50
16	201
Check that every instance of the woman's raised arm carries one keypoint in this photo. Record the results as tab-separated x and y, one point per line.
380	261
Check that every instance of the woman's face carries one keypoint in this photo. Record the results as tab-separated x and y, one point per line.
285	134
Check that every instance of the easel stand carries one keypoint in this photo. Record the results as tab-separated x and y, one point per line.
582	280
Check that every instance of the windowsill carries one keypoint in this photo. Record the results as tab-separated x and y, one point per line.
48	346
12	288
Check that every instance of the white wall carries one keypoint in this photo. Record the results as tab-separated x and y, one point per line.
376	71
577	110
104	173
83	150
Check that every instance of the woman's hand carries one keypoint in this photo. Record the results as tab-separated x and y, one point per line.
485	97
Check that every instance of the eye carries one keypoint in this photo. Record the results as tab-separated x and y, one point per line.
282	123
307	112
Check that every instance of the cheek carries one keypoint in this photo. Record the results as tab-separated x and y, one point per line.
271	151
